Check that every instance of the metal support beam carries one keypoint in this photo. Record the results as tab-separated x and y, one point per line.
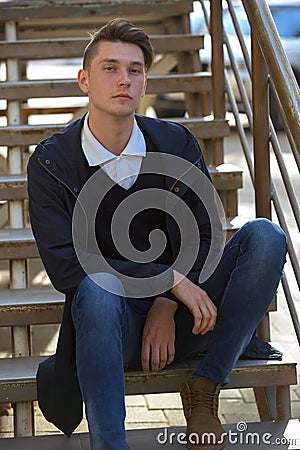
261	137
23	412
217	64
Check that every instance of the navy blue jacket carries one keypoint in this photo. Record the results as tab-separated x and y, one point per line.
57	171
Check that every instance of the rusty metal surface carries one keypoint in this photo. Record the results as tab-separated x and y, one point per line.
17	372
30	10
17	244
226	177
23	90
33	306
278	65
25	135
13	187
73	47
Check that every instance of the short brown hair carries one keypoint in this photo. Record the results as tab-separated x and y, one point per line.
119	30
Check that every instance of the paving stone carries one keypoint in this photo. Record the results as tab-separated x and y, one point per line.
135	400
248	395
6	424
294	395
230	393
296	389
142	414
228	406
6	435
235	418
141	425
163	401
175	417
296	409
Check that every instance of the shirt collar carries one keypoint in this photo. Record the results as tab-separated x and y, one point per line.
96	154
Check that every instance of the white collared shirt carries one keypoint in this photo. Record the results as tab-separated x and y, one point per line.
123	169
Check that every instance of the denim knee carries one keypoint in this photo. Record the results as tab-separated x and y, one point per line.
94	303
268	237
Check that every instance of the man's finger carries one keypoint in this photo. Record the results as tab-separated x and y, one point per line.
163	357
197	320
145	356
171	353
155	358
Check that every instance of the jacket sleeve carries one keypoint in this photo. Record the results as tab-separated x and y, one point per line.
51	225
51	221
203	253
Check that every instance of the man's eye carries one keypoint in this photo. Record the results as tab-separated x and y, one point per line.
108	68
135	70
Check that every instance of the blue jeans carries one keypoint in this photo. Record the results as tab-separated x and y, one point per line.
109	327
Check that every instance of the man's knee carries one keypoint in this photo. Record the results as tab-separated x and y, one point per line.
108	282
268	237
267	231
98	296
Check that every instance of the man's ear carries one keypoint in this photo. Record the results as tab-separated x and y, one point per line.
83	81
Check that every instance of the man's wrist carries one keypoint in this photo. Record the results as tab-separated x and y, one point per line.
166	303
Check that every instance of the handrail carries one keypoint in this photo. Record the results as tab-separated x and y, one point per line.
286	89
279	67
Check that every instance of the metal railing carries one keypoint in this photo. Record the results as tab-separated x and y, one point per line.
267	68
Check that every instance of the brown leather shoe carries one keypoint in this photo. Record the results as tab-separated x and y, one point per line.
200	406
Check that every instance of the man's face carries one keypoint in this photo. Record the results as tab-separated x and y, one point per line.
116	80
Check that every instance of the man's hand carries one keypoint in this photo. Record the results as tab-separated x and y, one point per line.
197	301
158	344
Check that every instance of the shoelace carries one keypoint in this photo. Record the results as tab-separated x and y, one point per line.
204	399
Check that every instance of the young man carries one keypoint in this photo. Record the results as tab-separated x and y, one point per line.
106	159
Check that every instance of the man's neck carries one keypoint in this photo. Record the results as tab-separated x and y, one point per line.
113	133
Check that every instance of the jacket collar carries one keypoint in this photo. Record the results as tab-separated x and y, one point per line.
63	157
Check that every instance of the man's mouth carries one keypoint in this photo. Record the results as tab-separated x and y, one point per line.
122	95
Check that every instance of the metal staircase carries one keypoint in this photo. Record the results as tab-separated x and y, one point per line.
41	30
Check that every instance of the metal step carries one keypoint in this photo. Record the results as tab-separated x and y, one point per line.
24	135
225	177
18	376
31	49
65	14
19	243
156	84
34	306
279	435
13	187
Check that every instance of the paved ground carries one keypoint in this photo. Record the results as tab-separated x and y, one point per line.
165	409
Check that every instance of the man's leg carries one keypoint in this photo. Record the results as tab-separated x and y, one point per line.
258	253
242	288
106	328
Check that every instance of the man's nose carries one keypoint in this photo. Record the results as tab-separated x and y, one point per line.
124	78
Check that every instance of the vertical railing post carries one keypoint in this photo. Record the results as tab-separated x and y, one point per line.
218	77
261	146
23	412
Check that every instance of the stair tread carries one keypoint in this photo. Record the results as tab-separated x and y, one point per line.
23	298
18	236
156	84
15	186
39	10
264	435
15	236
24	369
18	376
23	135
